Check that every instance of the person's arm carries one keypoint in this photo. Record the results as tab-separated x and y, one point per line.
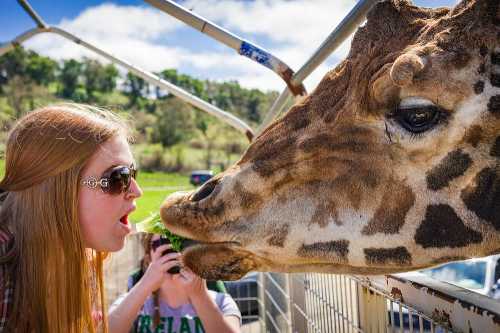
211	317
122	316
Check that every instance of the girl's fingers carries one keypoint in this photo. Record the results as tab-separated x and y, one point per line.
159	251
170	256
170	264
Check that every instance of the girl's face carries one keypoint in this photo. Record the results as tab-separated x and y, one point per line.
103	216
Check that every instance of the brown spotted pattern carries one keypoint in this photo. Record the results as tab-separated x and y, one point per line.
452	166
494	105
336	250
473	135
495	80
495	58
495	149
479	87
279	236
323	213
442	227
247	200
390	215
392	256
484	197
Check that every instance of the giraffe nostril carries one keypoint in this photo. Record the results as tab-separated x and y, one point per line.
204	191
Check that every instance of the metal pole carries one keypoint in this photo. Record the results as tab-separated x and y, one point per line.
241	46
147	76
355	17
173	89
27	7
4	48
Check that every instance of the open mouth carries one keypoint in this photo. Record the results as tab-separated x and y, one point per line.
124	219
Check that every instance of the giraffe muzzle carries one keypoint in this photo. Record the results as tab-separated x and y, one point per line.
205	191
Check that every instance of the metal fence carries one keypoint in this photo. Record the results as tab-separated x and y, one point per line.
409	302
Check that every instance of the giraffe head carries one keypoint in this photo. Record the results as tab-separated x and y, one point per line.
391	164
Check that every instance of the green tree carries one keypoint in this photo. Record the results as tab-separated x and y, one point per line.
203	125
98	79
69	79
193	86
108	78
136	89
174	122
40	69
13	63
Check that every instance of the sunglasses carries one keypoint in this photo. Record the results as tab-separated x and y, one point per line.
113	181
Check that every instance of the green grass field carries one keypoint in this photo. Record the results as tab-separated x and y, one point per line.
155	185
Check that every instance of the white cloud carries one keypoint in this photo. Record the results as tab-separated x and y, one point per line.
122	21
303	22
135	34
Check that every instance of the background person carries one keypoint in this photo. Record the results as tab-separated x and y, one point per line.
163	302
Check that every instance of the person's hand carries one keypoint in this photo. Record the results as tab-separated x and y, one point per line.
156	272
194	286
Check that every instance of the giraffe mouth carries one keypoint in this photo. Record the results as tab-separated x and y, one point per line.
218	261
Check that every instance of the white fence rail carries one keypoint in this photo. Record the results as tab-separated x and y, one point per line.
408	302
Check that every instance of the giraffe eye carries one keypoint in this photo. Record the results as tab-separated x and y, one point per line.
419	118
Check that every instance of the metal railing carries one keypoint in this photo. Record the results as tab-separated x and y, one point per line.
341	32
409	302
243	47
149	77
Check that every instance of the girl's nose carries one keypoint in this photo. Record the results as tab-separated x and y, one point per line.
135	190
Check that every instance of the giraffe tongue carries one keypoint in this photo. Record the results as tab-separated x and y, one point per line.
124	219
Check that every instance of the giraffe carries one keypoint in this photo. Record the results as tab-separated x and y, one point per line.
391	164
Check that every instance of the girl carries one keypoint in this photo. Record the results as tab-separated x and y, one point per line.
68	189
164	302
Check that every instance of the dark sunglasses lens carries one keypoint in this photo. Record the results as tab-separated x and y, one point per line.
119	180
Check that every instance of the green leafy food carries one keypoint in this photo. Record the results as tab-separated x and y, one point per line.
154	225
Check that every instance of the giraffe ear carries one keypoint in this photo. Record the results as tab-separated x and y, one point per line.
383	91
405	68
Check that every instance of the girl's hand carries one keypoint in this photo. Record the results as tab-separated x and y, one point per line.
194	286
156	272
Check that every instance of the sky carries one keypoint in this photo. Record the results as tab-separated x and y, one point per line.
146	37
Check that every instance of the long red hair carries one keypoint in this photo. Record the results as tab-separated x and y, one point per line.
58	283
